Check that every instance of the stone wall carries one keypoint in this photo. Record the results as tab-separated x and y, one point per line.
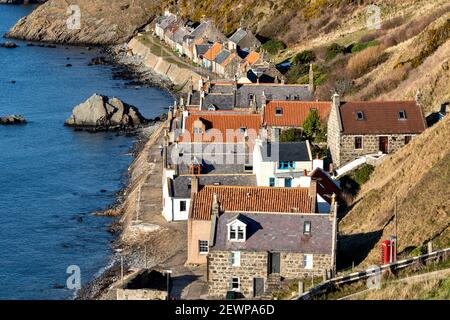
370	145
255	265
333	137
292	265
141	294
178	75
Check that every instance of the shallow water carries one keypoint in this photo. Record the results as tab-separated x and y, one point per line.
51	177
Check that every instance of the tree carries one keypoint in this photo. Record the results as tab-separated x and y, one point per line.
304	57
288	135
311	125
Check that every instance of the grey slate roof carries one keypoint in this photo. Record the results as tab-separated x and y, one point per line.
166	21
285	151
182	184
222	56
238	35
227	158
202	48
277	232
179	35
222	95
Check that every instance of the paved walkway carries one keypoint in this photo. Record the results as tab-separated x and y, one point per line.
170	246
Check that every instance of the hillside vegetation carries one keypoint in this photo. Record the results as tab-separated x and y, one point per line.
102	22
417	177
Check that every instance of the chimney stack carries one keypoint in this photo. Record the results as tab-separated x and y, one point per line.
311	79
313	194
194	185
336	100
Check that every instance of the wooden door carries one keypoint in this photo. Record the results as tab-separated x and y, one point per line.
258	287
274	262
384	144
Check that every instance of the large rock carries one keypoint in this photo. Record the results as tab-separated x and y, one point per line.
102	22
103	113
13	119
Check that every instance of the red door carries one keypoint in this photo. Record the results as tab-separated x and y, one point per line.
384	144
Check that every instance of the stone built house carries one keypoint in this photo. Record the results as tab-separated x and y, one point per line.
240	198
253	251
360	128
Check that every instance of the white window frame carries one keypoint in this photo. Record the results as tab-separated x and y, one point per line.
362	142
235	257
238	283
308	261
307	223
200	247
235	225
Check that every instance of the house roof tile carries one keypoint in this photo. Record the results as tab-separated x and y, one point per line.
381	117
223	123
294	113
251	199
212	53
277	232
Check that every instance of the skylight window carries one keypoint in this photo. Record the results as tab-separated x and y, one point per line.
278	111
359	115
402	115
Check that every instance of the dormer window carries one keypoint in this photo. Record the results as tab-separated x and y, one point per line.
278	111
237	231
198	130
402	115
360	115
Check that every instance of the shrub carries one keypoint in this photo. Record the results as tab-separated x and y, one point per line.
365	60
364	45
333	50
289	135
273	46
304	57
362	175
311	125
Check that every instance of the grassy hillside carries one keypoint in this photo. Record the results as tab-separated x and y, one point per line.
418	177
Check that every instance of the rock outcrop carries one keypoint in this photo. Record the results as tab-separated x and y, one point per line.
99	22
13	119
8	45
100	113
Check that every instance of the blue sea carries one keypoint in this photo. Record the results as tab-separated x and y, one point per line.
51	177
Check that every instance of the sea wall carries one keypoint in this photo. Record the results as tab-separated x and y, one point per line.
178	75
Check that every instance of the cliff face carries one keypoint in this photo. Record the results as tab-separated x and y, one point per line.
101	22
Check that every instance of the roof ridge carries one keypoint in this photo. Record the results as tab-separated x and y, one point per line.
257	187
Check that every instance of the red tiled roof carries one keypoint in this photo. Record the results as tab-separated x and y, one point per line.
381	117
251	199
213	51
294	112
227	60
223	123
252	57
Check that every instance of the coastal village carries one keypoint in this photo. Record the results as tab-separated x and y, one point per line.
242	180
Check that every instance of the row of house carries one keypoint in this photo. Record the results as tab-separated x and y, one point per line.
236	56
260	211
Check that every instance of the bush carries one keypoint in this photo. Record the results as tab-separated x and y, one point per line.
362	175
311	125
364	45
333	50
365	60
273	46
289	135
304	57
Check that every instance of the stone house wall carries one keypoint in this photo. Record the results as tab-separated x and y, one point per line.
141	294
333	137
370	144
255	265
